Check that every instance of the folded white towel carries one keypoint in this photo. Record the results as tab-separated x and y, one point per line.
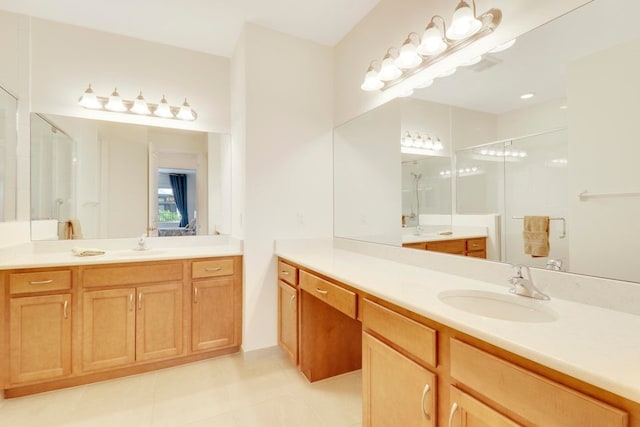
87	251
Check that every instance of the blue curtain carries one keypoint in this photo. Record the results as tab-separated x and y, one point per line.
179	186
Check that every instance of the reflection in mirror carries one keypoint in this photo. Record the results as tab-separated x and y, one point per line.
98	179
8	155
581	123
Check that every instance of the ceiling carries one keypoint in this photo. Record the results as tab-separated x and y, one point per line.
210	26
538	61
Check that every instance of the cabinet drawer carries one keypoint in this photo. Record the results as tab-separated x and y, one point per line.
479	244
413	337
41	281
131	275
213	268
337	297
419	245
287	273
537	399
448	246
477	254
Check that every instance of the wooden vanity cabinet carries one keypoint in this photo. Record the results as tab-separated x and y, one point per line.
469	412
398	389
216	304
123	324
39	326
473	247
288	310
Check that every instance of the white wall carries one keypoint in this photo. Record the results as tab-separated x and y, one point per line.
286	87
65	59
388	25
604	153
367	173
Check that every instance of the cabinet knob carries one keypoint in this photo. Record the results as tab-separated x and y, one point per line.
292	300
321	291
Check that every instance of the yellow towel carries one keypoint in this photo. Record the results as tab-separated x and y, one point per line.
536	236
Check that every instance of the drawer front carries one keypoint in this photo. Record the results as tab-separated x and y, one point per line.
336	296
42	281
213	268
287	273
477	244
131	274
419	245
535	398
477	254
413	337
448	246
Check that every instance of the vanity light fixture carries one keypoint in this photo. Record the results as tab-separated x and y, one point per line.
138	106
437	42
418	144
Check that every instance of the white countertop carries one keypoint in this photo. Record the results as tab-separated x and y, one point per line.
58	253
597	345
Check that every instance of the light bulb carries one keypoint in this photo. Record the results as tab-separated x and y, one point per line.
428	143
185	113
115	102
437	145
89	99
408	57
163	109
407	141
388	69
371	81
463	24
432	42
140	105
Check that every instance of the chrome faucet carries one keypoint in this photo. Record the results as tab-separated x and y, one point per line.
524	285
142	243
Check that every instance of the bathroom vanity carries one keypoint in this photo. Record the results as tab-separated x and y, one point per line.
474	246
427	363
74	320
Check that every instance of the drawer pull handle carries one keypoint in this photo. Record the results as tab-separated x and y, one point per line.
284	273
213	269
321	291
291	301
426	389
195	295
131	301
41	282
139	300
454	408
65	309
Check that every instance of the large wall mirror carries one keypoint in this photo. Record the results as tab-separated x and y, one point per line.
567	151
97	179
8	155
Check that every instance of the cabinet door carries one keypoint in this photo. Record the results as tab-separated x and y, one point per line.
288	320
40	337
396	390
213	314
159	321
469	412
108	328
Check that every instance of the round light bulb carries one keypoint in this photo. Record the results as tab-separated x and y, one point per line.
140	105
115	102
463	24
388	70
371	81
432	42
408	57
89	99
163	109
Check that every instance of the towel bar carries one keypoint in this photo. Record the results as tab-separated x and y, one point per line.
564	224
585	195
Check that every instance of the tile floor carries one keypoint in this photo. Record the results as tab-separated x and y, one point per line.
257	389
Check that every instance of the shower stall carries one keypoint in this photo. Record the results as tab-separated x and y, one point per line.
514	178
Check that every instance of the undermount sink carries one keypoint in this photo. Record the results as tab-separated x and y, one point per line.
136	253
498	306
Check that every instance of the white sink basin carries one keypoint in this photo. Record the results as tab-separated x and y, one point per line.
498	306
135	253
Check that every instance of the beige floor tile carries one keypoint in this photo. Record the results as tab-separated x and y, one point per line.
257	389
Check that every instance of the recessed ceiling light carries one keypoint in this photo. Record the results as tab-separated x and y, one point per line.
527	96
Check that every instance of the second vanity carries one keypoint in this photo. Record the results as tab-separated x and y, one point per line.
428	363
74	320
